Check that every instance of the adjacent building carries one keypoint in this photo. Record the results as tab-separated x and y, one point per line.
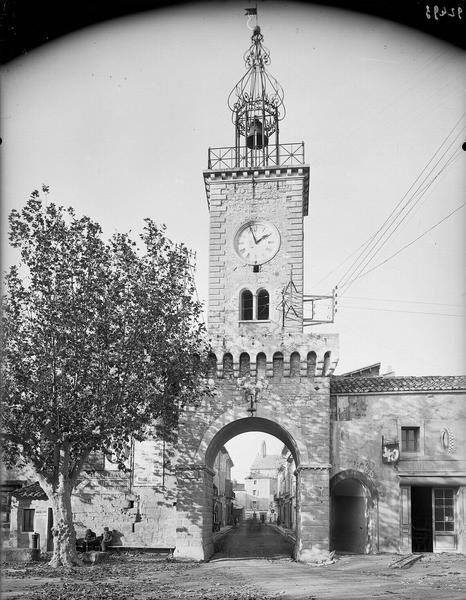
285	498
223	494
398	455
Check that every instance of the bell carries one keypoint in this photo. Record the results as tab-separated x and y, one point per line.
256	137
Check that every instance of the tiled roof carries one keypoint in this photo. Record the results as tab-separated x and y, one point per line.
269	461
31	492
428	383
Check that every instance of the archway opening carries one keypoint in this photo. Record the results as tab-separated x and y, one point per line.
350	516
254	491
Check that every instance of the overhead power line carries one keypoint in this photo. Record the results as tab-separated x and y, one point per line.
407	245
403	300
422	191
374	244
384	234
342	263
411	312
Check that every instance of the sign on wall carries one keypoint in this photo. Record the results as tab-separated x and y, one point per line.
390	452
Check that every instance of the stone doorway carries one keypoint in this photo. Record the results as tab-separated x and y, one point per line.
353	516
195	486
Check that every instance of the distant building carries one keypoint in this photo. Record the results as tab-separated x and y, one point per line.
261	486
223	491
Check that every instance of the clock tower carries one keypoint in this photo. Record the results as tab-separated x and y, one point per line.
258	197
270	375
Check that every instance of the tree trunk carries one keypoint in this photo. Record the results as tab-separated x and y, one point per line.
59	493
64	535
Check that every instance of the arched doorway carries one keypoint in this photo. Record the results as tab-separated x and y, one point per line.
237	427
195	485
353	516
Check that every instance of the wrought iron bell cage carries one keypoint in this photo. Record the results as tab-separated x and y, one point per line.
257	107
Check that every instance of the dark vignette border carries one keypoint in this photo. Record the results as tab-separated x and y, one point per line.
25	24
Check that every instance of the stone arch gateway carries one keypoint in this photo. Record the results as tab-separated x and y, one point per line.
258	196
194	539
206	428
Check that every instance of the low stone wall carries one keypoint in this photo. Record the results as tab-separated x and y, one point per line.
20	554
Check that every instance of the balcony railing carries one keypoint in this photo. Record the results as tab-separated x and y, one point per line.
281	155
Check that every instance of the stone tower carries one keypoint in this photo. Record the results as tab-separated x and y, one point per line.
270	375
258	196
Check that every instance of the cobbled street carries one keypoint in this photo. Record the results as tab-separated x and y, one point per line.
253	539
237	573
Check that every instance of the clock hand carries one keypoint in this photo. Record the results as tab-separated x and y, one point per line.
252	231
263	237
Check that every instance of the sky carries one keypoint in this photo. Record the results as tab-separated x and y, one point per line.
117	119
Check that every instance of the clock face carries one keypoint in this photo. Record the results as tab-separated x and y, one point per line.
257	242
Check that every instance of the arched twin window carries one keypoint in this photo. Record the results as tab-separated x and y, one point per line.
254	307
246	306
262	305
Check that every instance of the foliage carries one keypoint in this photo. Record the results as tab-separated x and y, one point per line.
101	338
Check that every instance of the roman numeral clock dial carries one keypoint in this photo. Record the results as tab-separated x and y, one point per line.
257	242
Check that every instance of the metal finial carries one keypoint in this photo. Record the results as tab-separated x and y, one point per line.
256	101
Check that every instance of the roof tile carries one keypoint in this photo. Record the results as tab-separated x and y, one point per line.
428	383
31	492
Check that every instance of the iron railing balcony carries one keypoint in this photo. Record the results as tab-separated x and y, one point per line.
275	155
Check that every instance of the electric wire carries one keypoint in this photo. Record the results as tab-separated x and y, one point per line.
388	234
411	312
377	241
342	263
402	300
450	161
410	243
410	188
359	273
381	240
368	239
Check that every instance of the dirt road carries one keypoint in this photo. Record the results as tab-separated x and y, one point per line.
147	577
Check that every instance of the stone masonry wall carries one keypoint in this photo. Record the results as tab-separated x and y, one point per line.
276	196
358	424
297	404
140	517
